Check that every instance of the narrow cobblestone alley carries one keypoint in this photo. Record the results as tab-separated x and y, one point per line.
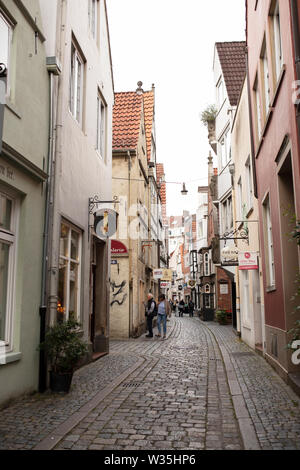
202	388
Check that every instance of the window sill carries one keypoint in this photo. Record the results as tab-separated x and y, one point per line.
9	358
9	105
271	289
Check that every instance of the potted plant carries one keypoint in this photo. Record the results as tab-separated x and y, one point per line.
208	116
221	316
64	349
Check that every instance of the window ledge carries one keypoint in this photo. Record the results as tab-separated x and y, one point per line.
271	289
9	105
9	358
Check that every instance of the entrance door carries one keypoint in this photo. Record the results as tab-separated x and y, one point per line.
233	294
93	280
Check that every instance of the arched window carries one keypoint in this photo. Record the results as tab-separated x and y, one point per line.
207	289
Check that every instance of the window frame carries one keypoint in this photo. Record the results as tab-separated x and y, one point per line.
277	50
10	27
93	14
101	133
258	108
69	260
10	237
269	244
249	184
76	58
265	74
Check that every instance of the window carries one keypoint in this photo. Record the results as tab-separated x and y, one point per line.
269	248
5	41
225	149
76	84
249	185
240	200
206	265
227	216
257	109
265	75
220	93
93	17
101	126
8	228
207	289
69	273
277	44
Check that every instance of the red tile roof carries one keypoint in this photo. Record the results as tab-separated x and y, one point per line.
163	191
127	120
232	57
149	114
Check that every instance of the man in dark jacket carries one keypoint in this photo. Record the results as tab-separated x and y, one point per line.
191	308
150	314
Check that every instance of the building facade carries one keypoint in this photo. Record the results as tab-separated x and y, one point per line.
82	96
23	176
273	45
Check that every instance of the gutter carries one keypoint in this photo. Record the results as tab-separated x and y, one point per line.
296	40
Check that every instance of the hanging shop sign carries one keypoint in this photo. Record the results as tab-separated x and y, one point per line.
163	274
248	261
105	223
192	283
118	248
230	256
224	290
165	285
179	287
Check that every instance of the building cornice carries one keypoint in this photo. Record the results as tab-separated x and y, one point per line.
22	162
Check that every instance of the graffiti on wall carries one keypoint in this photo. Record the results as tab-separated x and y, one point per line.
118	294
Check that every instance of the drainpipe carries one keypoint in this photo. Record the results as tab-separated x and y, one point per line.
129	247
296	39
43	306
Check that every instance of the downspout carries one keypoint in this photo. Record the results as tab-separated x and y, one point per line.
43	306
130	252
296	39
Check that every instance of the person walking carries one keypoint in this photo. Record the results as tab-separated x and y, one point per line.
163	311
191	308
181	307
150	312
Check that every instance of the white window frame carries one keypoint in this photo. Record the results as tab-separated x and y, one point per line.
240	198
258	109
9	237
101	126
227	214
266	79
269	244
220	92
249	184
76	99
93	17
9	25
67	259
225	148
278	53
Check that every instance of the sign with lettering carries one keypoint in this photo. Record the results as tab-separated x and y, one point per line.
248	261
118	248
230	256
163	274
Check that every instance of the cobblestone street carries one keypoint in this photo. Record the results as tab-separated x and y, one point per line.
202	388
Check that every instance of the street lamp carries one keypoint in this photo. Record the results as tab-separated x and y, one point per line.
184	191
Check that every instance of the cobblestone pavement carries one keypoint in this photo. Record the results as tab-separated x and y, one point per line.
202	388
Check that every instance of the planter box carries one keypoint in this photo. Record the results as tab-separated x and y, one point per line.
60	382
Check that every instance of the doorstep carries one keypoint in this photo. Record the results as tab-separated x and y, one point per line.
98	355
294	382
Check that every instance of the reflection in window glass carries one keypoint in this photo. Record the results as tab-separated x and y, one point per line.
5	213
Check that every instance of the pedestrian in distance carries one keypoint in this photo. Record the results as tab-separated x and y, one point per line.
191	308
181	307
163	312
150	313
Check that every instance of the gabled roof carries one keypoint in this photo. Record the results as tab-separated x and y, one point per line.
149	115
127	114
232	57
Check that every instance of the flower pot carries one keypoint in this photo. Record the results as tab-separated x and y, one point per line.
60	382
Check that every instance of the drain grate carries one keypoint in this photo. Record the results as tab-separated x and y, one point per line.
131	384
242	354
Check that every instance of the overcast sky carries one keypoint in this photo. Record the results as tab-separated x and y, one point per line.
171	43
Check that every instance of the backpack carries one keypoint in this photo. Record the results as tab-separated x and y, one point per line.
154	314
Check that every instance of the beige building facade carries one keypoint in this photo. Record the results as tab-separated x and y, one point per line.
250	299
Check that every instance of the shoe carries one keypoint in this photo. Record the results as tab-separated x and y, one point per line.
164	337
149	336
158	336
